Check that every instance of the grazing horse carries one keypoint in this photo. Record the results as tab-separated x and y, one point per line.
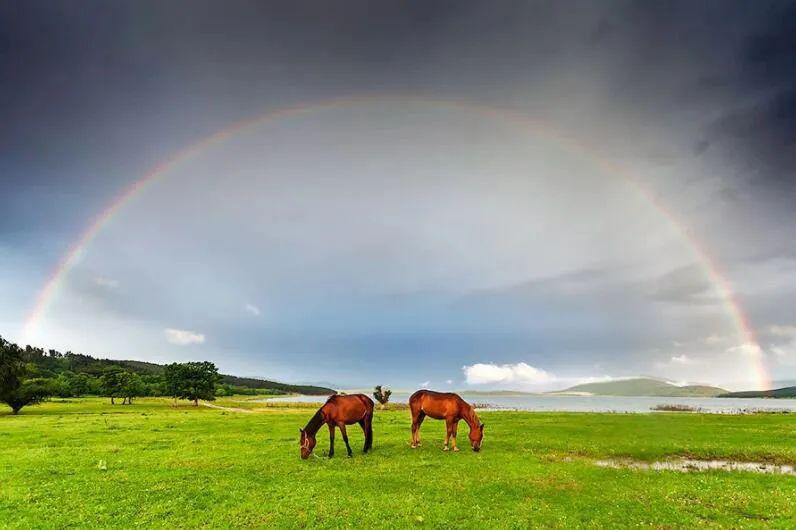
339	411
449	407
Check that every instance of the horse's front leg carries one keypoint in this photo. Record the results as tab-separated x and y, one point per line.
345	439
331	440
448	432
454	433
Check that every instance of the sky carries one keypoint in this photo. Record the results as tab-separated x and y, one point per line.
452	195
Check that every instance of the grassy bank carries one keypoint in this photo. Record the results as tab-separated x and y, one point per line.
86	463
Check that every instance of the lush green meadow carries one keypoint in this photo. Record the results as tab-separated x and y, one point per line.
85	463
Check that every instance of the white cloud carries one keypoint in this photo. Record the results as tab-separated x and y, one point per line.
449	382
784	350
108	283
684	360
523	376
747	349
425	384
182	337
253	310
714	339
490	373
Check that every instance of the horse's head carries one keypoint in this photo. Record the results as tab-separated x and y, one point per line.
307	444
477	436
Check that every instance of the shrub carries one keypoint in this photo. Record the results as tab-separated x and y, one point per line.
382	395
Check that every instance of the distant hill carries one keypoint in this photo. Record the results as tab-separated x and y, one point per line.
504	393
643	386
52	363
249	382
143	367
787	392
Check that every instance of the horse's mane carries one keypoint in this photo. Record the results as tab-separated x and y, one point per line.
315	423
472	420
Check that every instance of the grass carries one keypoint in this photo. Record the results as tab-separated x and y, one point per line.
167	466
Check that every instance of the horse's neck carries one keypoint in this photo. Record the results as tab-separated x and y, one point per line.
470	417
315	423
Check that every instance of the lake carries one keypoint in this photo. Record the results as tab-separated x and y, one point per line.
540	402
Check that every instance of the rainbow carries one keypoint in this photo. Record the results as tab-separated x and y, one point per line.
744	330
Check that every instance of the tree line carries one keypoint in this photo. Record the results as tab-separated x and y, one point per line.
30	375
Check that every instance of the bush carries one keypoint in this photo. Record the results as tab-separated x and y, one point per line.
382	395
676	408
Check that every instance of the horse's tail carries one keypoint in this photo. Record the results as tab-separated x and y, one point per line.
369	426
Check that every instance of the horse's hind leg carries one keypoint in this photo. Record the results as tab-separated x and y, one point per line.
417	420
367	426
345	439
420	418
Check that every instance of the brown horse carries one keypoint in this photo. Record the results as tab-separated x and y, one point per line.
339	411
445	406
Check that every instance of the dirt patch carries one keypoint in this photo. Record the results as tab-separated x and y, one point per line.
228	409
690	465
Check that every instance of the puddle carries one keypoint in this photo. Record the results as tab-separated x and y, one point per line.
688	466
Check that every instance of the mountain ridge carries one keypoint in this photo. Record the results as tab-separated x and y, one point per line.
782	393
642	386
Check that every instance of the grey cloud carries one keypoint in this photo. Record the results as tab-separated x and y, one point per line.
686	285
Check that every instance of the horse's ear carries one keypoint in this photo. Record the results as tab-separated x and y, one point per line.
482	426
301	430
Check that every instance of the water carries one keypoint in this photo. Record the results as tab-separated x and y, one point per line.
539	402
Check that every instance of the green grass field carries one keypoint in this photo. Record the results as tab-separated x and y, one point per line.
167	466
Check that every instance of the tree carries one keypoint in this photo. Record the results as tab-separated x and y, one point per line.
193	381
16	390
80	384
132	386
382	395
113	383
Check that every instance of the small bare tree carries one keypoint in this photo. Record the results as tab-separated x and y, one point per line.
382	395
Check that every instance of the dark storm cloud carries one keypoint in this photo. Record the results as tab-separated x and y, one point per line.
92	77
761	129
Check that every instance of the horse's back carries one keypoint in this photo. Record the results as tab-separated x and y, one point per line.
349	407
438	405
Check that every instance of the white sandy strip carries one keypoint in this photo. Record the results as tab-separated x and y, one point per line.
688	465
228	409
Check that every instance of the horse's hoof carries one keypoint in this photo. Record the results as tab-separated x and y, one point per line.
445	448
455	449
413	446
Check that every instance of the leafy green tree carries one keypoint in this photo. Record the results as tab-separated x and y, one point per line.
29	392
113	383
16	389
61	386
173	380
132	386
382	395
192	381
80	384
